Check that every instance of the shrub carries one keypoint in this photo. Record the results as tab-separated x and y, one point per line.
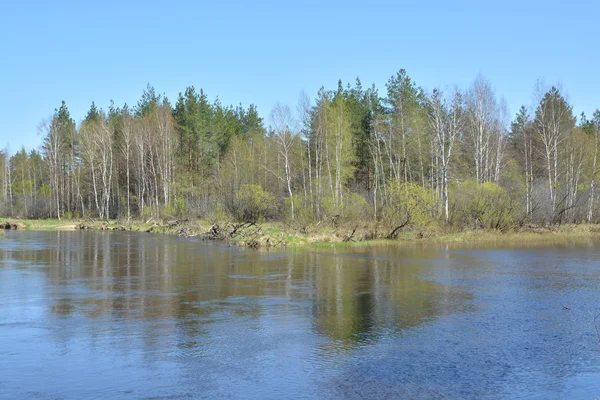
353	207
147	212
167	211
303	212
486	205
409	203
253	203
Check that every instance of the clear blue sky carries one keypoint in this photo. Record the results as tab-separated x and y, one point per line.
261	53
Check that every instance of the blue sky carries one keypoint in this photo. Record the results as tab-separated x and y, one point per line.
265	52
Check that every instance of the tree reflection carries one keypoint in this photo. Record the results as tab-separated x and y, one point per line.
181	287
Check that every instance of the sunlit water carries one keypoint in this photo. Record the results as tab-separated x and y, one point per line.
97	315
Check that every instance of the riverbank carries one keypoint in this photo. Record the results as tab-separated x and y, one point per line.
279	235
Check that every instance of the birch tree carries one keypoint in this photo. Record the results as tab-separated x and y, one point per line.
127	136
522	137
404	102
553	122
592	129
481	126
283	121
446	120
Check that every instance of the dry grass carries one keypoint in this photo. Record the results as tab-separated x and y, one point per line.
320	236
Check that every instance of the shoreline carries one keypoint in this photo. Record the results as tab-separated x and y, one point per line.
278	235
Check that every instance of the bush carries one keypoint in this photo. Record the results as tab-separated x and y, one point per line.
167	211
253	203
303	212
353	208
147	212
179	206
175	209
409	203
486	205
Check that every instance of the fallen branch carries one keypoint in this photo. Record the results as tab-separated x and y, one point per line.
350	237
394	233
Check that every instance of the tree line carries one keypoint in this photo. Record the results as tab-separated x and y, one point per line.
409	157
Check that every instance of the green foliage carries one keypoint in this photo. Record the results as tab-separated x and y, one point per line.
167	211
303	211
517	132
361	106
340	137
147	212
45	190
555	110
206	130
411	204
513	179
353	208
63	122
355	150
179	206
193	114
486	205
93	114
329	207
175	209
253	203
216	214
149	101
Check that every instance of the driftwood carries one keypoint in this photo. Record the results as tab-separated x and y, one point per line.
12	226
248	234
237	228
253	244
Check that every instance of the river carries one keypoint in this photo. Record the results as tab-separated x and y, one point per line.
102	315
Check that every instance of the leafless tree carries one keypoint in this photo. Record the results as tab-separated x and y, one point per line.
553	123
482	126
446	118
283	121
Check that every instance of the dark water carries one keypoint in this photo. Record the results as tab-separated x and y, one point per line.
93	315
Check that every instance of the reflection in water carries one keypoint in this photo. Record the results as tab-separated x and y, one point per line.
188	319
138	277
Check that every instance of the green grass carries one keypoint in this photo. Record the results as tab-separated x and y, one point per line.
37	224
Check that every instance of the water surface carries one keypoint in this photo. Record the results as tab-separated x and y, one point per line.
96	315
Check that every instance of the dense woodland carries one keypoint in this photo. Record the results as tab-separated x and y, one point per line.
403	158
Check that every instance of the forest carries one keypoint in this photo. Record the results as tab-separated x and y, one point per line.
406	158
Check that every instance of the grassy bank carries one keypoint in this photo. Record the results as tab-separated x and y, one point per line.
277	234
65	225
